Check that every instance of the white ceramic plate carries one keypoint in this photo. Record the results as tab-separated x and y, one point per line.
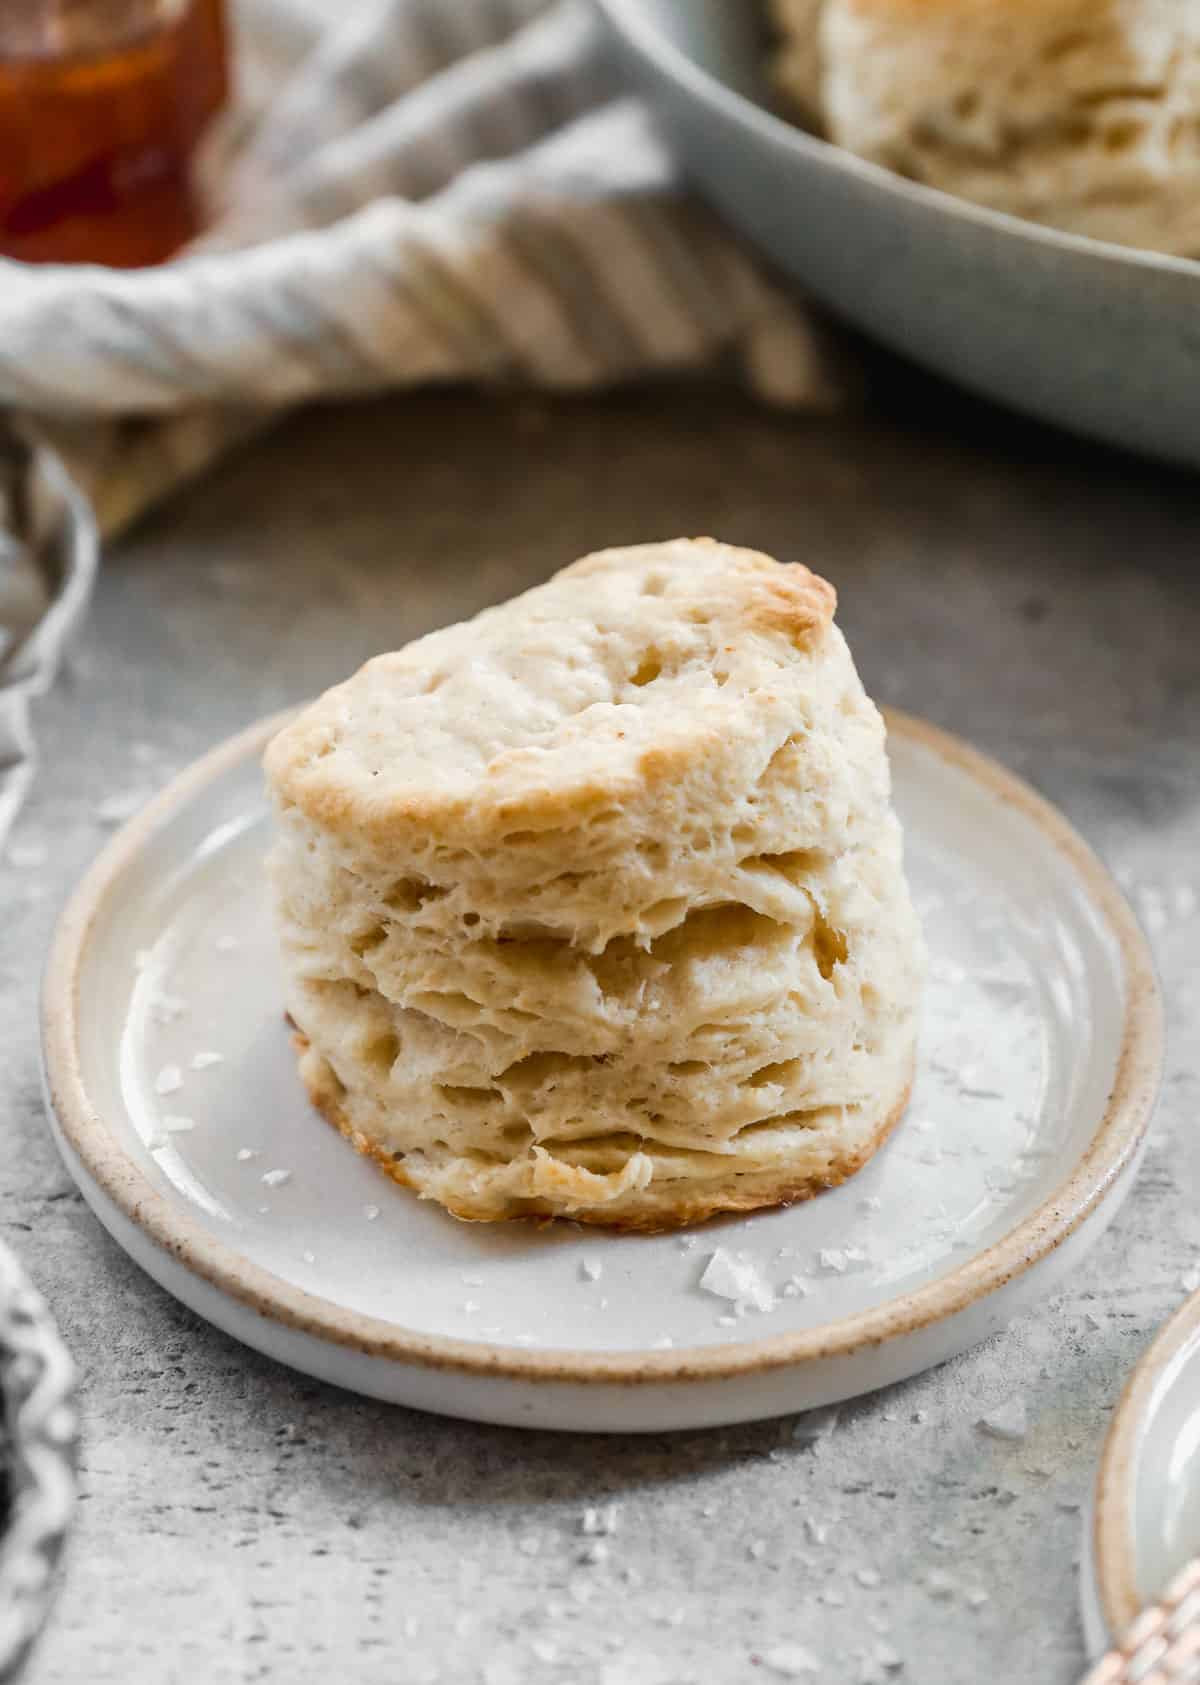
1040	1062
1145	1521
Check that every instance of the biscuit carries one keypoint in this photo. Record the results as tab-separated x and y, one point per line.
1083	114
594	905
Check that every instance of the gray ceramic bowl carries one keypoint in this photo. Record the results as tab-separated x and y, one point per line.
38	1432
1098	338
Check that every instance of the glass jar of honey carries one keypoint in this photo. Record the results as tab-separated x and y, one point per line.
102	104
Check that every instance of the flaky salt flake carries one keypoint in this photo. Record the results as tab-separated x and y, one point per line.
1190	1279
687	1242
738	1279
26	857
756	1549
226	944
977	1598
178	1125
245	1154
871	1202
888	1658
1009	1421
169	1080
309	1257
469	1306
115	810
594	1553
530	1545
599	1519
544	1651
869	1577
814	1425
815	1530
795	1287
833	1597
590	1270
165	1009
791	1661
370	1212
201	1061
832	1260
276	1178
940	1585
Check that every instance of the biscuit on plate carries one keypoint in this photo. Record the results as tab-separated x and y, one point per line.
1084	114
594	906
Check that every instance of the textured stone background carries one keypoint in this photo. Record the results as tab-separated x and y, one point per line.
241	1523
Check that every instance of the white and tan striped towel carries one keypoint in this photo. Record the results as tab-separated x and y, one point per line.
419	191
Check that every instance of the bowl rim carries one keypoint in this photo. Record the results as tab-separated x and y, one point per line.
629	20
37	1381
1114	1535
1112	1150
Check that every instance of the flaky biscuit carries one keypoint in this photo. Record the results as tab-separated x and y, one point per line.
595	905
1084	114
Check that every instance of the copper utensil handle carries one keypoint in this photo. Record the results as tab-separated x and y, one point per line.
1162	1647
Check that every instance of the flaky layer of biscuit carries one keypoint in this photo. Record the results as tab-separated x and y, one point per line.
642	1202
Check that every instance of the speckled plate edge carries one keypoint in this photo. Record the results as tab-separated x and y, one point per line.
37	1384
1109	1581
1112	1153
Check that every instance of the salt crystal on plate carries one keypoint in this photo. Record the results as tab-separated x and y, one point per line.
738	1279
201	1061
871	1202
1190	1280
594	1553
178	1125
169	1080
791	1661
727	1321
977	1598
166	1008
469	1306
370	1212
832	1259
599	1520
226	944
309	1257
1009	1421
834	1598
26	856
544	1651
816	1532
940	1585
276	1178
757	1549
245	1154
868	1577
795	1287
589	1270
891	1659
529	1545
115	810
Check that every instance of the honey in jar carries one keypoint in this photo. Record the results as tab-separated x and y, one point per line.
102	104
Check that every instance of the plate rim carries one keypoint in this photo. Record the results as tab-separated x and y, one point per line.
1119	1133
1114	1535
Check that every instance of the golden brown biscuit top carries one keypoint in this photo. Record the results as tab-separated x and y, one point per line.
620	668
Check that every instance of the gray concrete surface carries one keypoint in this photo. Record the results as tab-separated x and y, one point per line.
240	1523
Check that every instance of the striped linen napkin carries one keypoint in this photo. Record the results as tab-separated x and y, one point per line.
421	191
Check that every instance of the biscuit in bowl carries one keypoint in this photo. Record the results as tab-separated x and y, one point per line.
1082	114
594	906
